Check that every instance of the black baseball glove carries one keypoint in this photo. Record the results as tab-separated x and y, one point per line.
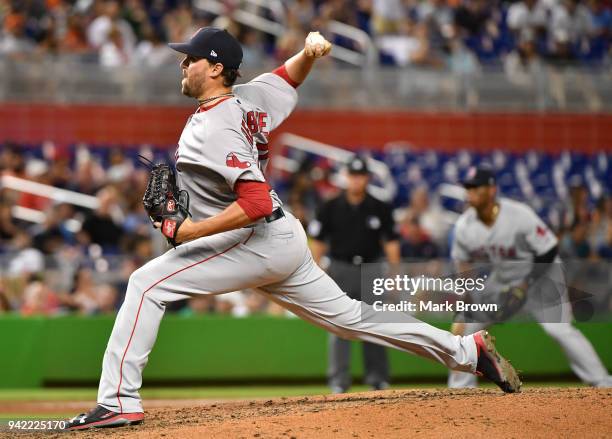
164	202
511	301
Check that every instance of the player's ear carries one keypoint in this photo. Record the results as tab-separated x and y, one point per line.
216	70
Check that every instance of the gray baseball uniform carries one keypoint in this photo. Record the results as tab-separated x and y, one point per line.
510	245
218	147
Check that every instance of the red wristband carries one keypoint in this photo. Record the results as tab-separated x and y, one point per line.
282	72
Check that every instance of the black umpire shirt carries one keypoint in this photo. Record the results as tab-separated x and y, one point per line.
354	232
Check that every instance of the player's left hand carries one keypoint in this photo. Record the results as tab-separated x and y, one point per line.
316	45
183	233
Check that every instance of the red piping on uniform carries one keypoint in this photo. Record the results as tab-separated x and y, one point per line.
247	240
282	72
205	108
140	306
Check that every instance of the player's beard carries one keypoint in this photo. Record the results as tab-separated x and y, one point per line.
185	88
189	90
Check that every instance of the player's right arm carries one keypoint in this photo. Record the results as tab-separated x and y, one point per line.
275	92
299	65
542	242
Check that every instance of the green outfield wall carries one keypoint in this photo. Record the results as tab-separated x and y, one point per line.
35	352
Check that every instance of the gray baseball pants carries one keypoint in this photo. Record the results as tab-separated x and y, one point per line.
274	259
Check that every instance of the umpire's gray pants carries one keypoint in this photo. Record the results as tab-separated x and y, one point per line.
375	361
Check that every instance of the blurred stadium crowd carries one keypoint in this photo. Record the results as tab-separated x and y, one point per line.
460	34
79	260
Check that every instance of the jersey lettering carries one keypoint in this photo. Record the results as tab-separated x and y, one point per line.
485	252
262	119
252	122
247	133
257	122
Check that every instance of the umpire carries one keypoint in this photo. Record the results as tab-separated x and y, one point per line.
356	228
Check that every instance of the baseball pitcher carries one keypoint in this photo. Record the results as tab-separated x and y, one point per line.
229	232
526	272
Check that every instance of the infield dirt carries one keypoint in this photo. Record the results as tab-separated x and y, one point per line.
548	412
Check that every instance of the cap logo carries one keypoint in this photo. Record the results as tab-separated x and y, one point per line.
213	53
471	172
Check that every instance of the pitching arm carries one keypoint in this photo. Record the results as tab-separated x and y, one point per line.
299	65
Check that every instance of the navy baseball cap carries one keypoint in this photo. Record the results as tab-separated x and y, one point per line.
477	177
216	45
358	165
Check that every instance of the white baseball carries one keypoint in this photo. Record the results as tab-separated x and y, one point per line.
316	45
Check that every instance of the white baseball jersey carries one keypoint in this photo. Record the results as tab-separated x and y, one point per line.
517	235
229	141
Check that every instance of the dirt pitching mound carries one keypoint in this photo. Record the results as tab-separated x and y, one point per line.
534	413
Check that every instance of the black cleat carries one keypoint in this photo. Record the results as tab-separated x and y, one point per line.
493	366
100	417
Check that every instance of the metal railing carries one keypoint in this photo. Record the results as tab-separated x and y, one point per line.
69	81
44	190
47	191
249	13
385	191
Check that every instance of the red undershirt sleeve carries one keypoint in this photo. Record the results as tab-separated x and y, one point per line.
282	72
254	198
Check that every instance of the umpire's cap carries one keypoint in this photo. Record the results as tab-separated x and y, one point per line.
358	165
478	176
216	45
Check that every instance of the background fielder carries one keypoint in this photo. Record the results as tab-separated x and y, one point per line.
523	253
